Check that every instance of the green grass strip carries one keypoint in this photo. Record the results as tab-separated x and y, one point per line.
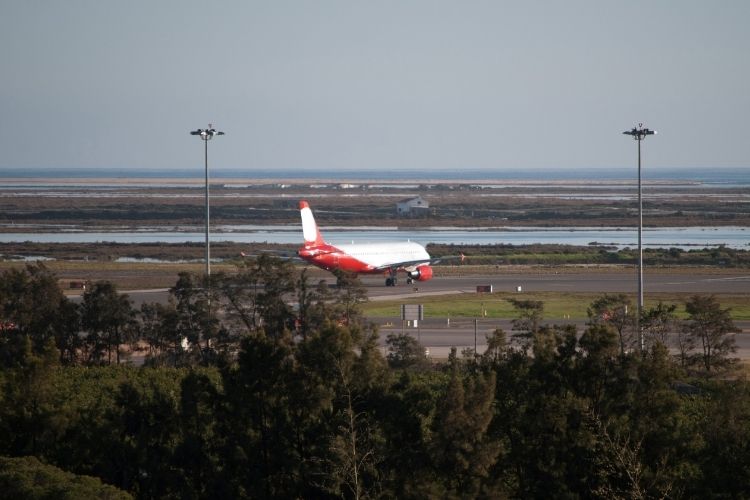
556	305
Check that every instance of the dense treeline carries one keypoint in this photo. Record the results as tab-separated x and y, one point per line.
249	397
491	254
596	253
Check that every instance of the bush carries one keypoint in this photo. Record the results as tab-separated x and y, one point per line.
28	478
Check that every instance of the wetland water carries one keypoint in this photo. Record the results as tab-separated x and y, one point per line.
737	237
609	186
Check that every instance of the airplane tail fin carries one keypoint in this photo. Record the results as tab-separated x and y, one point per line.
310	230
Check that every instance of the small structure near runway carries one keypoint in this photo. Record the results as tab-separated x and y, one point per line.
412	312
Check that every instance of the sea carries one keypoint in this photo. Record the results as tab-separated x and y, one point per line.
710	176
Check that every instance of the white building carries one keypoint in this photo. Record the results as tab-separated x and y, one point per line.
412	206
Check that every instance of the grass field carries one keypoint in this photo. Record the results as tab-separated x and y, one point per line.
556	305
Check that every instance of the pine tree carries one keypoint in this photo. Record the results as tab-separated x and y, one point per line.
107	316
711	327
616	311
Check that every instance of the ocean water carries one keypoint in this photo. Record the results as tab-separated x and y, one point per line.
730	177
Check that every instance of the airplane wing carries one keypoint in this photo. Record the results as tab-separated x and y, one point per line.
408	263
437	260
282	254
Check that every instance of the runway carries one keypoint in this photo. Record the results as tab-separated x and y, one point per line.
593	280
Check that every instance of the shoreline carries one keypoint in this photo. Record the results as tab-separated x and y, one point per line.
264	181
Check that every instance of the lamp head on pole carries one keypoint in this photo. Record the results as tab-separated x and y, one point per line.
639	133
206	134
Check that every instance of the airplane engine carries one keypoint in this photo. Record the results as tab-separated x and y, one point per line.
422	273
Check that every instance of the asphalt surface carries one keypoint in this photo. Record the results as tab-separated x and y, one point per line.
592	281
438	336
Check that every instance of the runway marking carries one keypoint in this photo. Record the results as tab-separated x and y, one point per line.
418	294
732	278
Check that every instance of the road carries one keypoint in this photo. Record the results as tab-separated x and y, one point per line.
438	335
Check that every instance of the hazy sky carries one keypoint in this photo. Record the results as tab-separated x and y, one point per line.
374	84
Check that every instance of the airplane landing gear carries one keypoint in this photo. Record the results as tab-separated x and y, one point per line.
391	281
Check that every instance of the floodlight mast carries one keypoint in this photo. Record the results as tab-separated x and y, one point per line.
639	133
206	135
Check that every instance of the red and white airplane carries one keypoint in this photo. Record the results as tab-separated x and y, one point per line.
372	258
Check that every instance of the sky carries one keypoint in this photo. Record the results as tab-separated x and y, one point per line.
381	85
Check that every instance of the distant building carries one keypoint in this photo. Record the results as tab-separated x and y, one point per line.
413	207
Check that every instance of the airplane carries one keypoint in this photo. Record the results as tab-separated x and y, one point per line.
371	258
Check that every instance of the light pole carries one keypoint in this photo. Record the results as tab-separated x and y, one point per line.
206	135
639	133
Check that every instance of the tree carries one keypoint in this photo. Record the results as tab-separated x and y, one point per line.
143	432
30	479
196	318
711	327
596	366
658	322
657	420
159	329
196	454
462	452
617	312
108	317
29	420
497	346
724	459
32	304
305	300
404	351
405	414
353	451
68	332
340	303
529	314
256	297
349	295
540	418
259	446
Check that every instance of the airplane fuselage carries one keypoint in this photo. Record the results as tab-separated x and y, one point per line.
371	258
366	258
